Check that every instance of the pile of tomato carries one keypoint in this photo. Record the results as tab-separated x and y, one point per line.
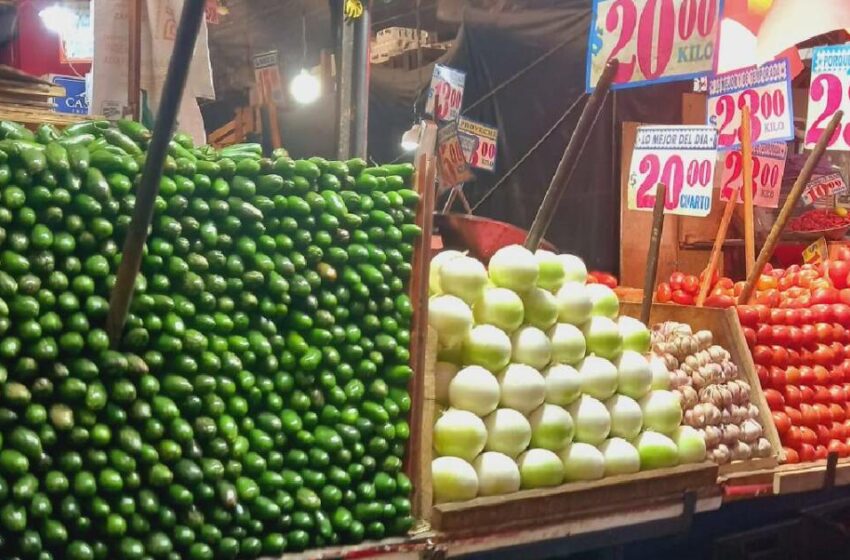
817	220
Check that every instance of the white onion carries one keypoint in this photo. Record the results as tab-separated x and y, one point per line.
568	346
463	277
598	377
434	273
539	468
531	346
635	335
444	372
514	267
453	480
522	388
602	337
551	427
488	347
656	451
541	308
604	300
621	457
626	416
582	462
660	373
508	432
499	307
662	411
563	384
592	420
459	433
551	270
574	268
474	389
497	474
450	317
574	305
690	443
634	378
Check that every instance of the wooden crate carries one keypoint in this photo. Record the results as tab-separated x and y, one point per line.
724	325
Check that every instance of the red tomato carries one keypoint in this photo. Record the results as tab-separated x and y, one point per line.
777	378
808	435
837	447
725	282
780	356
794	415
824	356
763	312
783	423
838	271
604	278
821	394
690	284
794	437
844	295
794	358
821	312
682	298
762	355
792	395
823	333
770	298
766	282
795	337
824	415
821	453
792	375
806	316
842	253
774	399
824	435
807	375
764	334
841	312
836	374
838	333
837	351
821	375
810	415
663	293
846	425
791	456
777	317
838	413
780	334
836	394
748	315
676	280
807	395
763	375
793	317
787	282
720	301
807	453
750	336
806	356
808	334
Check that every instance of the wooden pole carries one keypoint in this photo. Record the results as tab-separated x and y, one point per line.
785	214
747	155
134	60
652	259
717	250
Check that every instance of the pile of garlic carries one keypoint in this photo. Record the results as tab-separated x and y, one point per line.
714	400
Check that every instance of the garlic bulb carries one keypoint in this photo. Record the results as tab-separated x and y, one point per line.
713	436
731	434
720	454
762	448
741	451
751	431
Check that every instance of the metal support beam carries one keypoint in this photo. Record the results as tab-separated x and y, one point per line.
345	90
353	86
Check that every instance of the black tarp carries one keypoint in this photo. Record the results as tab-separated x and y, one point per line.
491	48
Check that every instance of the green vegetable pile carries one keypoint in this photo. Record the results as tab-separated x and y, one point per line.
257	401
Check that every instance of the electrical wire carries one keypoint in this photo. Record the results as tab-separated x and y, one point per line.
530	151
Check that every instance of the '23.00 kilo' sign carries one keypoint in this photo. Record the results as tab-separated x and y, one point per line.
681	157
654	40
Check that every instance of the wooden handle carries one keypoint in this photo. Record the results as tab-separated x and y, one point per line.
717	250
785	214
652	259
747	156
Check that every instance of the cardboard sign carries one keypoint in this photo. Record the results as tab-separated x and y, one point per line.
817	252
478	142
768	169
453	166
445	95
76	97
766	90
822	187
654	41
267	75
829	92
681	157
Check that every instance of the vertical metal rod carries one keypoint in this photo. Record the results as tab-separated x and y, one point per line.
361	70
345	91
172	91
570	158
790	202
134	59
654	246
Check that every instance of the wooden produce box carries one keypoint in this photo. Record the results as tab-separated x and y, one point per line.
724	325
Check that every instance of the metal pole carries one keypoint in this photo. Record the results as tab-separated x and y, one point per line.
570	159
134	60
172	91
360	83
345	91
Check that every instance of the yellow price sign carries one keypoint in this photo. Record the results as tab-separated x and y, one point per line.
817	252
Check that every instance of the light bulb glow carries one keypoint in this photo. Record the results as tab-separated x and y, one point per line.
59	19
305	87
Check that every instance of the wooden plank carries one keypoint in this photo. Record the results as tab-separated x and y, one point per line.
548	505
808	478
724	325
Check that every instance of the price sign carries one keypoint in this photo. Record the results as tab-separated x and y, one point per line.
768	169
478	142
453	166
766	90
823	186
817	252
681	157
445	94
829	92
654	40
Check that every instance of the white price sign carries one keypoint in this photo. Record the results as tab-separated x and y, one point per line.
824	186
766	90
681	157
829	92
453	166
445	95
768	169
478	142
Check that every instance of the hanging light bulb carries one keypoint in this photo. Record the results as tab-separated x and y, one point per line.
59	19
410	139
305	87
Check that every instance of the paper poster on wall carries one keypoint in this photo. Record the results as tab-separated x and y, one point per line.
445	95
478	142
829	91
768	170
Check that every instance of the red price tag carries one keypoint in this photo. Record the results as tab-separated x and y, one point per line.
829	92
766	90
453	167
681	157
654	40
823	186
768	169
445	96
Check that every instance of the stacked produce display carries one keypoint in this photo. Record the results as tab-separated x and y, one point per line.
541	381
257	401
